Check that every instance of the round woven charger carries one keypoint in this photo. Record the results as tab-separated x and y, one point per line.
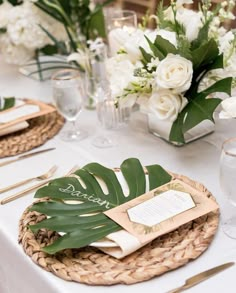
39	131
91	266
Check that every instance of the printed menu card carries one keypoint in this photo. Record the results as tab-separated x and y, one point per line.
155	213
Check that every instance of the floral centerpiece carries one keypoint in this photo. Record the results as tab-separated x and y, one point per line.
32	27
177	71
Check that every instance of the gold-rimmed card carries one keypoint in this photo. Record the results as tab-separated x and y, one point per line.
27	110
148	217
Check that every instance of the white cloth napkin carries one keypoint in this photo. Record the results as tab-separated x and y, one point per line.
16	113
14	128
126	244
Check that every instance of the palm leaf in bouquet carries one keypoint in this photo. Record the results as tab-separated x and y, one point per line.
97	189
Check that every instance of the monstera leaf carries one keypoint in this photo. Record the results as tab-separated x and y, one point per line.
97	189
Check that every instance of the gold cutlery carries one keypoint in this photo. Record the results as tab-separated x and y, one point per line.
44	176
202	277
25	156
36	186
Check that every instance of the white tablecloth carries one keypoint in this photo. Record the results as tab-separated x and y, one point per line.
198	160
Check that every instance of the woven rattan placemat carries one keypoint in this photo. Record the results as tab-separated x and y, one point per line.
39	131
91	266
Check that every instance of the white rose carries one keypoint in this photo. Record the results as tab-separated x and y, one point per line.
229	108
174	72
166	105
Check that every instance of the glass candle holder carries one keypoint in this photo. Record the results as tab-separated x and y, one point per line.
120	24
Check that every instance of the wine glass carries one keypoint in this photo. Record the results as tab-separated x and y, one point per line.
68	96
227	181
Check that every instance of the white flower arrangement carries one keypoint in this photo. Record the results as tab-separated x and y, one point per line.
180	65
21	32
40	27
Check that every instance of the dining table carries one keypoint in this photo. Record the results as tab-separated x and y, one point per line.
198	160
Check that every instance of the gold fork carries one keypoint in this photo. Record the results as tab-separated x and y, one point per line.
36	186
44	176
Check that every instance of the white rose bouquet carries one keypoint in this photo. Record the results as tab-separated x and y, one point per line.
169	79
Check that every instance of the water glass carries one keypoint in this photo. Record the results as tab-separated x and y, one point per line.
227	181
111	117
68	96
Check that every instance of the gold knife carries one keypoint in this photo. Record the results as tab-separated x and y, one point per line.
202	277
25	156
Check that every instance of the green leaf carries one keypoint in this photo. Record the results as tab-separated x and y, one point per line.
80	238
176	132
155	50
8	103
53	208
84	222
61	46
49	50
146	56
206	54
136	180
96	25
69	224
3	30
222	86
198	109
164	46
157	176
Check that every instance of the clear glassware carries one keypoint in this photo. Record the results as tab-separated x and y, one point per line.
108	116
120	19
96	78
227	181
111	117
120	23
68	97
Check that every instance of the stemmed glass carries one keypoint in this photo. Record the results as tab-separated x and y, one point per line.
227	181
68	96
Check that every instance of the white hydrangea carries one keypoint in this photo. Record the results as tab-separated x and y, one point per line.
4	12
14	54
23	26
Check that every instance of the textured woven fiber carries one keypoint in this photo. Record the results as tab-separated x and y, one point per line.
39	131
91	266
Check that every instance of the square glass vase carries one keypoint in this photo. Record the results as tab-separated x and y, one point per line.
161	129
